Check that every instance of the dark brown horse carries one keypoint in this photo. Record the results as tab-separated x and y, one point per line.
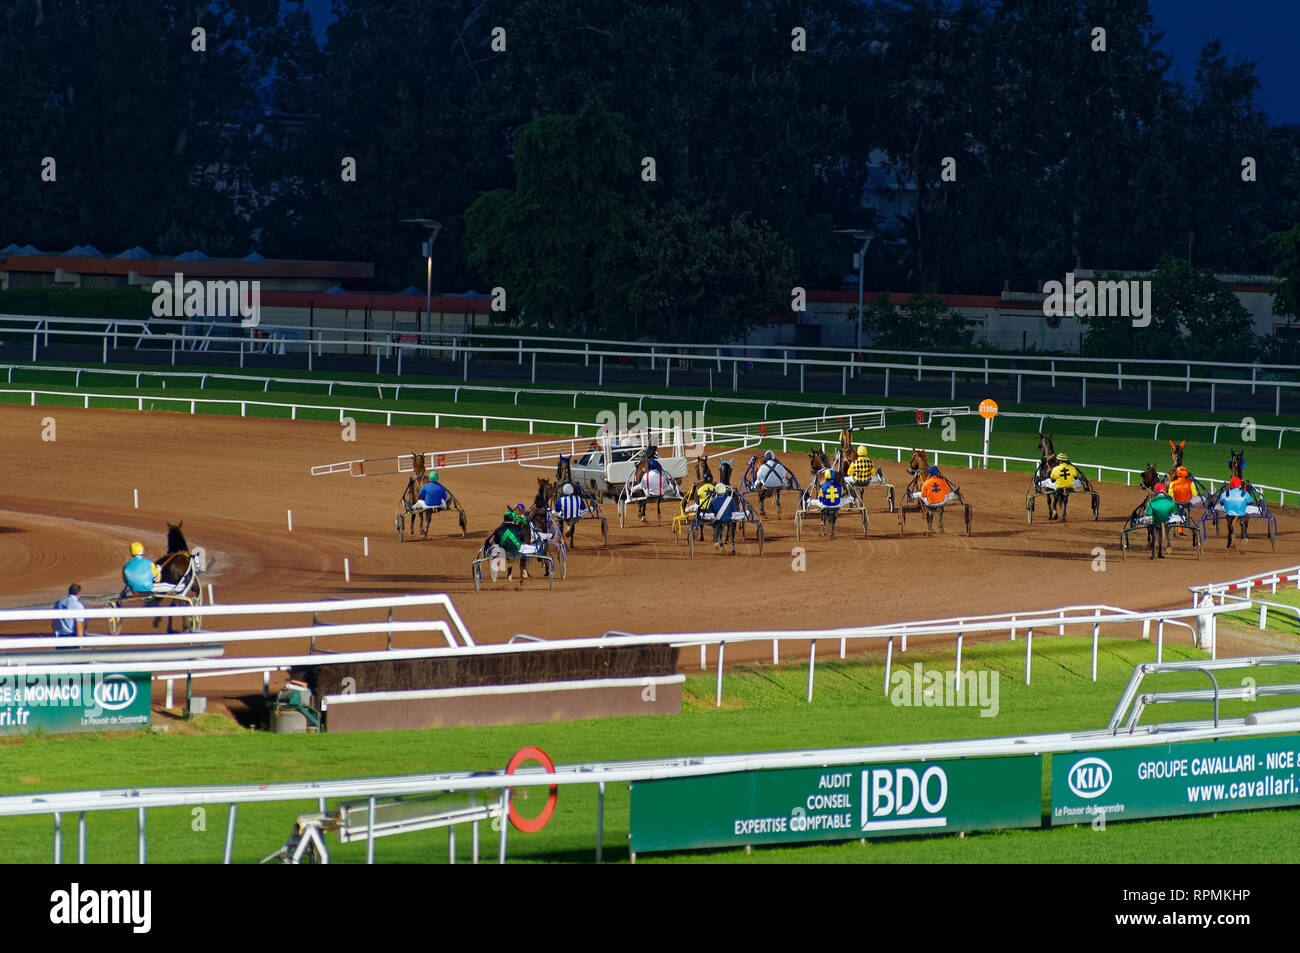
173	565
419	477
1150	477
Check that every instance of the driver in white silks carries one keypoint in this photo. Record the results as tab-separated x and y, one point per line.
772	474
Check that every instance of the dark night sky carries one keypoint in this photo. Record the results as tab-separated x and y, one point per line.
1261	30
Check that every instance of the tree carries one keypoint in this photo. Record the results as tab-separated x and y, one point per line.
1193	316
701	275
923	323
1286	293
550	240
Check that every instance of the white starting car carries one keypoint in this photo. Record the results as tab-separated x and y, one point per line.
606	472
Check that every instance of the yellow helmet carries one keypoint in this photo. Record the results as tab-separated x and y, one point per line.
862	450
137	549
828	474
1062	458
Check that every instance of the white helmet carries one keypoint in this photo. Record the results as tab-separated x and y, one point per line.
769	455
568	489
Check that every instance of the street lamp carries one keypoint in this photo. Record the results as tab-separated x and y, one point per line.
428	254
863	235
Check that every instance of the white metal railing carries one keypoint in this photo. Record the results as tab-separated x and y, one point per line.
601	774
202	377
848	362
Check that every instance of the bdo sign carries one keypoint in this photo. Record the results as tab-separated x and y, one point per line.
792	805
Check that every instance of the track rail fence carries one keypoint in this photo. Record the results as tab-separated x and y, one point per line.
848	363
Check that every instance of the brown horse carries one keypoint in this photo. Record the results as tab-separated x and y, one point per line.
916	468
1175	458
1150	477
419	477
173	565
650	461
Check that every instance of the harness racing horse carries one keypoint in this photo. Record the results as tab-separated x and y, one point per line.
1046	463
649	476
1150	477
1175	457
1237	468
414	485
916	468
770	477
173	566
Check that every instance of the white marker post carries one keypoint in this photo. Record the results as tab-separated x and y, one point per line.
347	570
988	410
136	496
365	545
211	601
290	512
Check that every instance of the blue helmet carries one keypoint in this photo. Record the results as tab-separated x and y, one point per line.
933	471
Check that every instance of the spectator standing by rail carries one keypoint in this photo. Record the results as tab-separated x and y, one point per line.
70	627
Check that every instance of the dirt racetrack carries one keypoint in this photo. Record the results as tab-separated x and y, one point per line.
66	516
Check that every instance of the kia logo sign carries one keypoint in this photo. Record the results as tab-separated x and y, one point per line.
1090	777
115	692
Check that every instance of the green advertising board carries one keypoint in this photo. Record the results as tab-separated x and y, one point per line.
796	805
1240	774
57	704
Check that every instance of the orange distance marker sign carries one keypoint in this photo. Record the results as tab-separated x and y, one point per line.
532	825
988	410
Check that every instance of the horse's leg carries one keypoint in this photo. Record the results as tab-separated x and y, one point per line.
640	509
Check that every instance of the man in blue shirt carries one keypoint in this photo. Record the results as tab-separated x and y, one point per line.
139	573
70	627
433	496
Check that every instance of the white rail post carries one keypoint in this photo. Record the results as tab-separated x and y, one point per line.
228	853
721	649
140	848
1160	641
58	837
702	662
889	662
81	837
812	662
960	636
1029	647
1096	632
370	831
505	824
775	661
600	819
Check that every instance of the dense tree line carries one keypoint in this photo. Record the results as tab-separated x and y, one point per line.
644	167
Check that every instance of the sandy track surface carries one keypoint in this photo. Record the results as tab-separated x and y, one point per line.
66	515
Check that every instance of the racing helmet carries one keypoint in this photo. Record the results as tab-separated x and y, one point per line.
568	489
1235	483
137	549
932	471
862	450
1182	472
433	475
769	455
519	508
1159	488
828	474
1063	458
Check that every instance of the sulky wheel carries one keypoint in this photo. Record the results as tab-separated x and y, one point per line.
401	527
622	510
864	524
970	511
1029	510
798	526
604	531
1096	507
691	539
759	533
464	523
477	572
